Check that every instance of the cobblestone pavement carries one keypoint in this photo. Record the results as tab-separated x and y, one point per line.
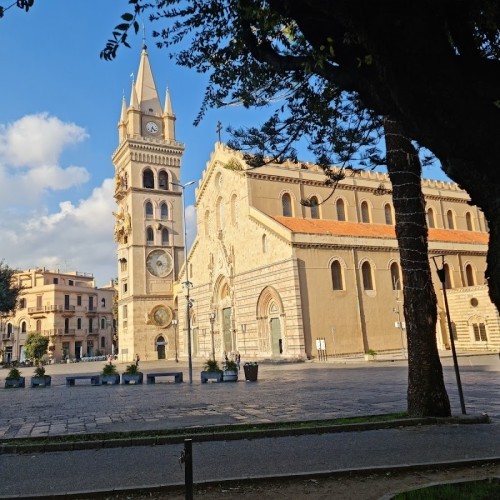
301	391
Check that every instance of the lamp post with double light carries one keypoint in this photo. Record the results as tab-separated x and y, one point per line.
441	272
187	283
174	324
212	320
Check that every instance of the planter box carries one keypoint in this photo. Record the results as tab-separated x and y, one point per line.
205	376
109	379
230	376
251	372
15	382
127	378
41	381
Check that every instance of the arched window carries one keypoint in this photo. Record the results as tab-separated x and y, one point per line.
207	223
365	212
264	243
149	235
220	214
468	221
449	218
149	210
314	207
395	276
388	214
366	272
340	210
163	180
447	277
164	211
336	272
286	205
234	210
38	325
164	236
148	180
123	265
479	330
103	323
454	331
430	218
23	327
469	275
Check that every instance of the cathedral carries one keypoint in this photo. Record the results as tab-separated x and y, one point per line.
271	278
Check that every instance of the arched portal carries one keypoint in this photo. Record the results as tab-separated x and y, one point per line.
161	347
271	328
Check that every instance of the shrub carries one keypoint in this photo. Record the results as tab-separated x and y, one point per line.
211	366
132	370
230	366
39	371
14	374
109	369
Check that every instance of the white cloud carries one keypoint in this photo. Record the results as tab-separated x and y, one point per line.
30	149
190	225
36	140
78	237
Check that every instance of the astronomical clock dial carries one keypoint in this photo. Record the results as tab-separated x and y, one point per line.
152	127
159	263
161	316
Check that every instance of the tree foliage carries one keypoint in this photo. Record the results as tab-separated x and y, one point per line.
9	292
36	346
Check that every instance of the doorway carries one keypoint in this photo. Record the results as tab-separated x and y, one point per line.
226	328
276	342
160	347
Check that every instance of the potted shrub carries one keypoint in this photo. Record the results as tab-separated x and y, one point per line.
230	371
109	375
211	371
251	371
40	379
132	374
14	379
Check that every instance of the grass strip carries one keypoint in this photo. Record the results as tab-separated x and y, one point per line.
211	429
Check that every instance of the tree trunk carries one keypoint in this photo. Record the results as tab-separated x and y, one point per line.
427	394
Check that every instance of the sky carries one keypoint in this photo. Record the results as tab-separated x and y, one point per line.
59	109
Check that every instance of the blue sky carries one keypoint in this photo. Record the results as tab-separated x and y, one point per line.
59	108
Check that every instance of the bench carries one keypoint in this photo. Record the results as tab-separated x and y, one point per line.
151	377
94	379
205	376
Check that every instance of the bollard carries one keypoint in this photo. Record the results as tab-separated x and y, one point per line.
188	473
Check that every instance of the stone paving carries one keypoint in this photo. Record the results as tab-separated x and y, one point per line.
301	391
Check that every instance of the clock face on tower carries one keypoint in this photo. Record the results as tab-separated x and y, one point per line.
152	127
161	316
159	263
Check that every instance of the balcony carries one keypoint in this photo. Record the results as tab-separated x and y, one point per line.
91	310
6	336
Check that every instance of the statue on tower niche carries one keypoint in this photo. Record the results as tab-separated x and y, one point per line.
123	225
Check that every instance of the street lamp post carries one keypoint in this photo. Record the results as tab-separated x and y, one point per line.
187	282
442	277
243	334
174	324
212	320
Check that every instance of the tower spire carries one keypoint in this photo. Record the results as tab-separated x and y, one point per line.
147	94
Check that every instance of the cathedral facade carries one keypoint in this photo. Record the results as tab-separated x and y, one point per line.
275	279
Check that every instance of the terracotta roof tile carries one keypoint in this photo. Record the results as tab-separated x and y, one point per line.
355	229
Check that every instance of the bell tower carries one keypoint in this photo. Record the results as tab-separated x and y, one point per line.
148	227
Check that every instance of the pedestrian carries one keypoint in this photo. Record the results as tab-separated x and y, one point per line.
137	359
238	360
225	356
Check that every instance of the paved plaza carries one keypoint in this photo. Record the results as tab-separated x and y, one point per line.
299	391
